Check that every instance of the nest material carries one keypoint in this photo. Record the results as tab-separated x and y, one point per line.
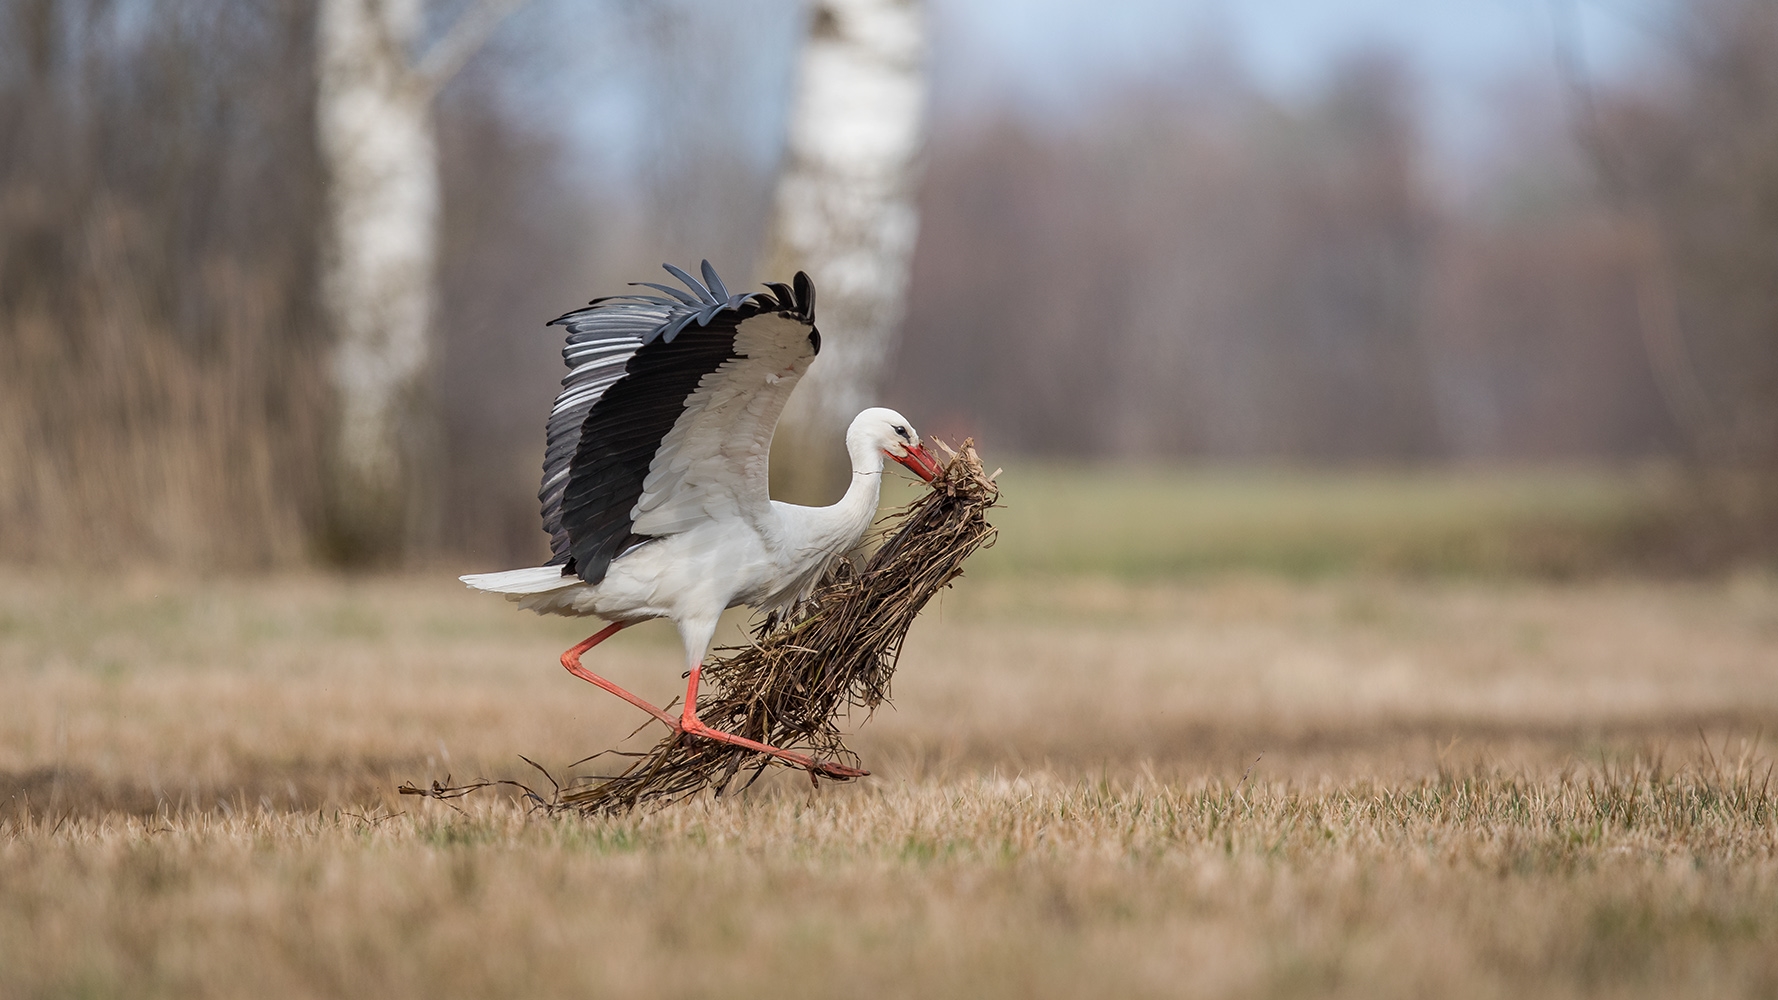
836	652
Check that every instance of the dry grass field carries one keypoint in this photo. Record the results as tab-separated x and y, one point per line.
1229	783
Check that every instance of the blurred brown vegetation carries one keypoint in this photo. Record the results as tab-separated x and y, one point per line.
158	389
1201	270
1693	161
162	396
1193	269
1205	272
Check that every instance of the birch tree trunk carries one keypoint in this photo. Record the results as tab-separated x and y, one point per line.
375	134
845	213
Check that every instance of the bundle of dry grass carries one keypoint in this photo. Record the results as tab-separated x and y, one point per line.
836	652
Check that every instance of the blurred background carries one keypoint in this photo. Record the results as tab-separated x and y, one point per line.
1489	284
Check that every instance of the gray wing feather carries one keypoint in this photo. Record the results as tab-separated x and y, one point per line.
696	287
602	339
714	283
669	289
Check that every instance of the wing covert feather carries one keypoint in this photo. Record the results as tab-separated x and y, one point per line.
666	416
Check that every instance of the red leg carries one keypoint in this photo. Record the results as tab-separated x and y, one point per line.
689	723
571	660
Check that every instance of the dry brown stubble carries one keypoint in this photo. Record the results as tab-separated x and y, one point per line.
1447	803
1594	883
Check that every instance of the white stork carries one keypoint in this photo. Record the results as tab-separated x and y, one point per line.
654	478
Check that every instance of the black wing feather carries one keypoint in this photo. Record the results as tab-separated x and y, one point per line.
634	360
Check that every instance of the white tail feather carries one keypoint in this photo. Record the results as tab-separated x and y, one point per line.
535	580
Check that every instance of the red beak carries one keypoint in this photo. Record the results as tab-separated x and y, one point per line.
920	462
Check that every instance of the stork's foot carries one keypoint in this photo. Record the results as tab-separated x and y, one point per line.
690	724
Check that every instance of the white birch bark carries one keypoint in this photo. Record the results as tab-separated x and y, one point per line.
375	135
376	139
845	213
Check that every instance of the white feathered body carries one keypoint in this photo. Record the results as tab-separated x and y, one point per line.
714	564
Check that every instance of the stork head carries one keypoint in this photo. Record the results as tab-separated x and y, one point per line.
882	429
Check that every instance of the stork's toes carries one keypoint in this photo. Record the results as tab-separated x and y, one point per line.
692	726
828	769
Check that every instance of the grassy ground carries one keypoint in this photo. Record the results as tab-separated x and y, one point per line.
1111	781
1627	884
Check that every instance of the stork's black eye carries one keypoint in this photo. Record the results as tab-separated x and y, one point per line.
815	340
903	431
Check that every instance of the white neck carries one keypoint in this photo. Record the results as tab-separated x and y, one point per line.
851	516
837	527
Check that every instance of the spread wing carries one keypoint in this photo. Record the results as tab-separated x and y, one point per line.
666	416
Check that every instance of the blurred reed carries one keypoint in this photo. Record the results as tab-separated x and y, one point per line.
159	387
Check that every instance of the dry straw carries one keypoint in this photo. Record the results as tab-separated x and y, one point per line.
802	672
